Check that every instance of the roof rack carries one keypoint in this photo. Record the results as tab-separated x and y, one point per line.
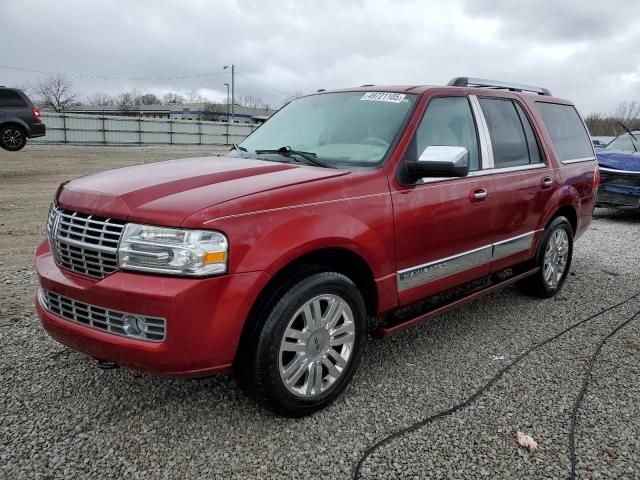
496	84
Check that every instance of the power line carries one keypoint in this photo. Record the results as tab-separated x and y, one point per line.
101	77
265	85
173	77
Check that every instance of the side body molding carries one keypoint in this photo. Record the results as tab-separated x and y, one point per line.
428	272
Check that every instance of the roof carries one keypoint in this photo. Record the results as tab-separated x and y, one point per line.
468	90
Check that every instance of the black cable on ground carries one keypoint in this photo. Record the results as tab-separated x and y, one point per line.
494	379
572	432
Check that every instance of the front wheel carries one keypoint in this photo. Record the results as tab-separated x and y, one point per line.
554	260
12	138
308	346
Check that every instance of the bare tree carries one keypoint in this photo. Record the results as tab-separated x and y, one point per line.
149	99
627	112
127	101
216	112
100	99
171	97
609	125
194	97
252	102
55	92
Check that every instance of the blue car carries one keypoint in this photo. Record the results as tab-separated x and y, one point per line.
619	164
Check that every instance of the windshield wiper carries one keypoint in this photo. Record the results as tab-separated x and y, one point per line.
287	151
630	133
235	146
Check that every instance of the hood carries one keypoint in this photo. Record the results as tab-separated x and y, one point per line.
619	160
165	193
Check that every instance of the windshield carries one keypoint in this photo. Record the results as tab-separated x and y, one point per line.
351	128
625	142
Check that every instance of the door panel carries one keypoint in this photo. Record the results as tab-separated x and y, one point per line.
443	238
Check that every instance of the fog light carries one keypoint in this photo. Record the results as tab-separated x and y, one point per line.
134	325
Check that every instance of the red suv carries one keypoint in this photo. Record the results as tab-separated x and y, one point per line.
394	202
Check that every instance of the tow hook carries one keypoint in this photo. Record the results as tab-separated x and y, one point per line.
104	365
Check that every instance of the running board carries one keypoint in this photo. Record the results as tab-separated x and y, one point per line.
393	329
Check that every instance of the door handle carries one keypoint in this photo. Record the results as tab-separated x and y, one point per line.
547	182
478	195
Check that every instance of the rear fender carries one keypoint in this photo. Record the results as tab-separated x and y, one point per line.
15	121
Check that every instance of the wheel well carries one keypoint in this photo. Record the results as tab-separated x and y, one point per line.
14	124
330	259
570	213
338	260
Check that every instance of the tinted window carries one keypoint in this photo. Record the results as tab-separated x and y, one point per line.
447	121
9	98
532	143
510	147
567	131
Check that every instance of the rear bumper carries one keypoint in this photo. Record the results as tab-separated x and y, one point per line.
37	130
204	317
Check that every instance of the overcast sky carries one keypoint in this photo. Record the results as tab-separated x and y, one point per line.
584	50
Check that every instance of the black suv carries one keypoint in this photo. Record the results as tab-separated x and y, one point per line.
19	119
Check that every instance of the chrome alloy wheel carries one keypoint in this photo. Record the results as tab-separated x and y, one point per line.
555	257
317	345
12	137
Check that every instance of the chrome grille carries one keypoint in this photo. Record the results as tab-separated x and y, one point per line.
112	321
83	243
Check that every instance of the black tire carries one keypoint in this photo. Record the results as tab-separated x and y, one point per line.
12	138
537	285
258	366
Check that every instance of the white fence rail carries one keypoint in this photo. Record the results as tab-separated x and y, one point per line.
113	130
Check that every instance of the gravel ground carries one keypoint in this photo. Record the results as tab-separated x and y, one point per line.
60	417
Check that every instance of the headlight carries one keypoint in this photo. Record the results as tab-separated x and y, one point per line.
174	251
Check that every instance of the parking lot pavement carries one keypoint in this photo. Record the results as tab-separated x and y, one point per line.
60	417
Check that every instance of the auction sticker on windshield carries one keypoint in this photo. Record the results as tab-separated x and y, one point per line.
383	97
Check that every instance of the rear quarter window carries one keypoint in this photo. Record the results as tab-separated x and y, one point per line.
569	135
9	98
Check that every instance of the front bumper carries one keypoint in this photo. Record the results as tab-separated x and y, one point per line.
612	195
204	317
619	188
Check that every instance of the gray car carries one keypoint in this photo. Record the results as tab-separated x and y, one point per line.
19	119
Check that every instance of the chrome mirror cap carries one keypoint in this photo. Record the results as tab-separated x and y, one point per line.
458	156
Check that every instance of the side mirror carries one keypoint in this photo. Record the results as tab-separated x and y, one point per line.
440	161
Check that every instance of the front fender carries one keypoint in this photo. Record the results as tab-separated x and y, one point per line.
268	240
316	232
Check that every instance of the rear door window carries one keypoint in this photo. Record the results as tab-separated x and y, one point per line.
508	139
568	134
9	98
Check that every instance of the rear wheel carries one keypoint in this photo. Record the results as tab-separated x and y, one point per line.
307	345
12	138
554	260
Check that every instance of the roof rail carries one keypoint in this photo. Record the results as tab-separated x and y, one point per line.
483	82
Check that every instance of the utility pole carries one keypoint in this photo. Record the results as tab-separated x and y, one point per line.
227	85
228	105
233	82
